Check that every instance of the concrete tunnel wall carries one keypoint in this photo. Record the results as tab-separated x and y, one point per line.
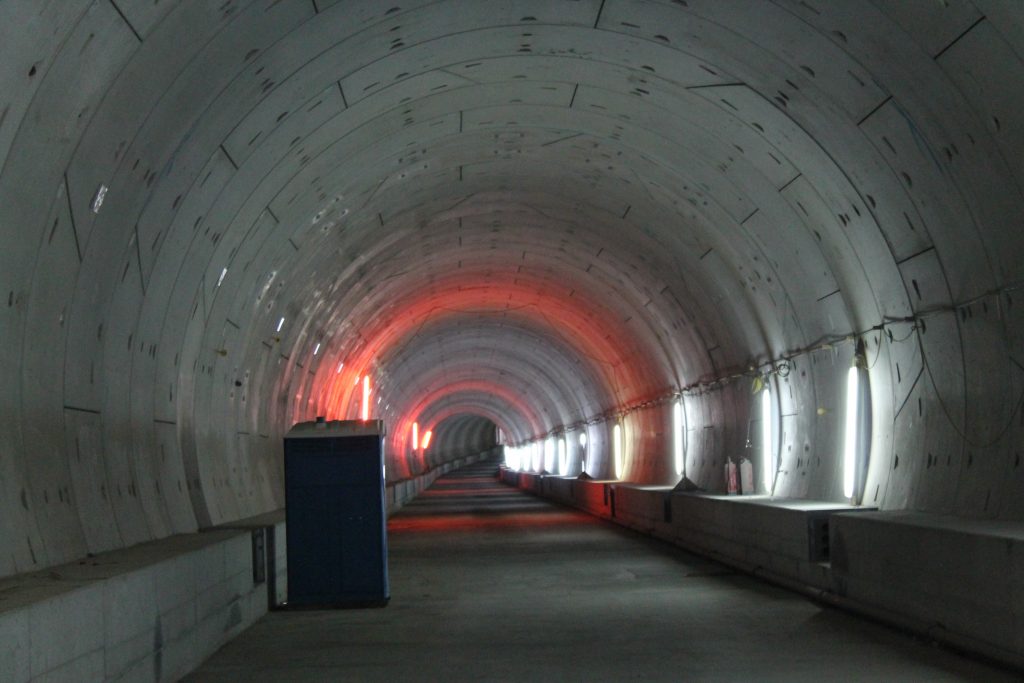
217	217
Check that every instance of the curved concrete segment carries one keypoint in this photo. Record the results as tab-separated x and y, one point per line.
218	219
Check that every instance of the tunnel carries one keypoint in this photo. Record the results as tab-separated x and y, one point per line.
719	272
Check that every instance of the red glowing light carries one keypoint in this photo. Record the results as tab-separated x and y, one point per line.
366	397
613	358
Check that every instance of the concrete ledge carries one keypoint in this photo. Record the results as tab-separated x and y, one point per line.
274	545
763	532
759	531
961	579
151	612
956	581
154	611
594	496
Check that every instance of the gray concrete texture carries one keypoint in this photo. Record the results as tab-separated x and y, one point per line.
551	216
155	611
489	583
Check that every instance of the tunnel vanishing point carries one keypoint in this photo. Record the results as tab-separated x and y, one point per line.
644	240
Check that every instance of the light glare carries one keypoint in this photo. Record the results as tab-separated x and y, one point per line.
366	397
617	450
280	324
677	435
850	441
426	438
767	445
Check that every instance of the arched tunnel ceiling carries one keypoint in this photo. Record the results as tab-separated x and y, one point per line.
219	217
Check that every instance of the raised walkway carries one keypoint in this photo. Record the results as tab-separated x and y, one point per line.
489	583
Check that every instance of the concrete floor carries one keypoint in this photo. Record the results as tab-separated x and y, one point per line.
491	584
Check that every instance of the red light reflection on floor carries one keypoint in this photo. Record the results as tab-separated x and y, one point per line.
444	508
442	492
470	522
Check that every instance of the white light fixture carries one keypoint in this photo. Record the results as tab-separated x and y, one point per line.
280	324
617	450
583	439
850	440
316	349
223	273
340	366
549	455
677	435
767	443
563	457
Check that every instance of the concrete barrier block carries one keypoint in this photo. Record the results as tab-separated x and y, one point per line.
219	626
177	657
633	504
281	588
64	629
209	566
779	522
129	608
796	547
757	557
559	489
257	607
177	621
141	671
210	633
993	624
88	667
174	582
814	574
1017	592
664	530
14	646
238	555
120	658
213	599
789	567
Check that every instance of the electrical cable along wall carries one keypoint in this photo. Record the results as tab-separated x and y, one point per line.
220	219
